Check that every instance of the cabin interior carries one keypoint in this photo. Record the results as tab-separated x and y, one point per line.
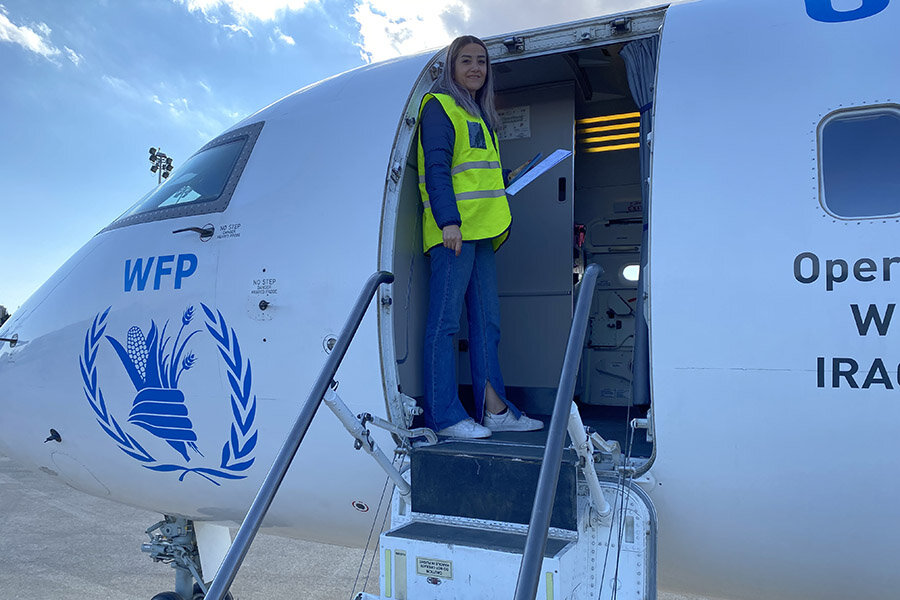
588	209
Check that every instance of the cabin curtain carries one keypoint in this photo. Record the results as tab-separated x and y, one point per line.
640	62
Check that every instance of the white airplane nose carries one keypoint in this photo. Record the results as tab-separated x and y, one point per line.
169	351
38	354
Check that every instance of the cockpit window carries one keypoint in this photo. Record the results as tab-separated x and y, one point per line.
859	150
203	184
201	179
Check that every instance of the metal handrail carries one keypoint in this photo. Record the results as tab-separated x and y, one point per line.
539	525
272	482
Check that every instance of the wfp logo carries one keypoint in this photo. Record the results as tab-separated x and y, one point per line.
155	364
825	11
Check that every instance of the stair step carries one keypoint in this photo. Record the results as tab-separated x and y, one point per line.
489	480
430	561
500	541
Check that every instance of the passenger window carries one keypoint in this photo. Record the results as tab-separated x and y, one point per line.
203	184
859	150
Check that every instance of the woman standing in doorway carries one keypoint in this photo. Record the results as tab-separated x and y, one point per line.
466	219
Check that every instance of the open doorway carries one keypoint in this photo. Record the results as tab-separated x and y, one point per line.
588	209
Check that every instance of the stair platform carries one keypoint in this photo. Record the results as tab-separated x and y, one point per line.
492	479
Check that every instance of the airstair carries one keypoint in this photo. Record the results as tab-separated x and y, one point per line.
466	531
551	515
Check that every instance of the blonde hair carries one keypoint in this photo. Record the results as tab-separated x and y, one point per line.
483	102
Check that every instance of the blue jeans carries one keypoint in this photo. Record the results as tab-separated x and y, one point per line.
471	276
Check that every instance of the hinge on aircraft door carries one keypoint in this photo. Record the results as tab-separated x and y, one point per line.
644	424
515	44
584	35
411	408
620	26
395	172
436	69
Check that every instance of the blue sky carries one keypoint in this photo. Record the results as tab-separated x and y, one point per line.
89	85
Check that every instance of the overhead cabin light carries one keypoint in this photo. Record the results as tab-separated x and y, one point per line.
603	119
611	148
631	272
628	123
616	127
611	138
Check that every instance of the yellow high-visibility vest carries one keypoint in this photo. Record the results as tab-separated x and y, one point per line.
477	179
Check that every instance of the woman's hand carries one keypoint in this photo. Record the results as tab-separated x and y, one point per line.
515	172
452	238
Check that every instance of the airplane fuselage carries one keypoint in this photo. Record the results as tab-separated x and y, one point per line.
172	364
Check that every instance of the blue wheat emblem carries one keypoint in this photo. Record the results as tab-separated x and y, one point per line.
155	364
159	405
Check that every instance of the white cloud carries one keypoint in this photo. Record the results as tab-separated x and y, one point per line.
389	28
238	29
121	87
188	108
283	37
185	108
32	39
178	107
73	56
245	10
246	13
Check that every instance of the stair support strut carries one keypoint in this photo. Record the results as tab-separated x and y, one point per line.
364	441
602	509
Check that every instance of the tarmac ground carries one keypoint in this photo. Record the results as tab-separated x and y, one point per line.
59	543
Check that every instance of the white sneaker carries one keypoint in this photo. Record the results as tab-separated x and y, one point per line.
508	422
467	429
